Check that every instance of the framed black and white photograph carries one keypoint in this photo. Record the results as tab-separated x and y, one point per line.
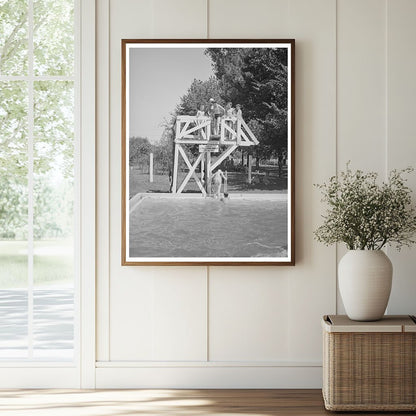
208	152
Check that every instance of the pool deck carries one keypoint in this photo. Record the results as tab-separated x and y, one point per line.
138	198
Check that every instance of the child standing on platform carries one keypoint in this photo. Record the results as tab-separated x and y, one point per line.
200	117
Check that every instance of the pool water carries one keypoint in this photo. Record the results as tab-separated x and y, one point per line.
206	227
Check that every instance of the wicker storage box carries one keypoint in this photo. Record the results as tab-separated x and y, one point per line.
369	366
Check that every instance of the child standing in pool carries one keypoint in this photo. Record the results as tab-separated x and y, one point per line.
217	182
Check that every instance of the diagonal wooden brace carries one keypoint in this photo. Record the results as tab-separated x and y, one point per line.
222	157
200	126
191	172
183	129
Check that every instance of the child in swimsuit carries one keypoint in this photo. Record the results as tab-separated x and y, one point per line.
217	182
230	114
200	118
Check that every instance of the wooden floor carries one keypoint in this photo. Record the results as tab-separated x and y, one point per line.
164	402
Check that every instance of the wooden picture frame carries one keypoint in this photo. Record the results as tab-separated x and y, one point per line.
208	152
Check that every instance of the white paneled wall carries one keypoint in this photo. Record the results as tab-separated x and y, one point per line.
164	315
361	88
401	131
254	326
361	84
243	19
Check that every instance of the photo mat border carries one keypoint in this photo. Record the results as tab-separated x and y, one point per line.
290	260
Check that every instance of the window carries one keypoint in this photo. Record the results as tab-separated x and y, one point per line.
38	185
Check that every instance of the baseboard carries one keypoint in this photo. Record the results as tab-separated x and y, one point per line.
209	377
39	378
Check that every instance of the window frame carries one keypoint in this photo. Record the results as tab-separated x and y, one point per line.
81	371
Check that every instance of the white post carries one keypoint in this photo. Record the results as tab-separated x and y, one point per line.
178	130
238	131
175	169
151	167
226	184
208	174
249	169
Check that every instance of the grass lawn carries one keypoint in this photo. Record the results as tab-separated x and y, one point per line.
52	263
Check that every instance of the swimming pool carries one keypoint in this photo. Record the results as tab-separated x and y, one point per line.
205	227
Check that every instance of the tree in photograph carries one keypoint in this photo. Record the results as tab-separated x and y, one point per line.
227	64
265	74
257	79
164	149
139	150
199	93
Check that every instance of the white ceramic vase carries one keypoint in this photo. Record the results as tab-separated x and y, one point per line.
364	278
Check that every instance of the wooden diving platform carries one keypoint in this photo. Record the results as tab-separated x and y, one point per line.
192	130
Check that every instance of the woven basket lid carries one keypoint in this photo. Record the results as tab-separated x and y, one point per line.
390	323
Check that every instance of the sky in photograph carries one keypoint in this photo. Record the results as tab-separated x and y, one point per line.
158	78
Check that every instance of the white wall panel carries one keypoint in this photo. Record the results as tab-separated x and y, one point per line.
312	24
361	89
180	308
159	316
311	282
156	313
248	310
361	84
159	18
401	143
131	316
247	19
179	18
